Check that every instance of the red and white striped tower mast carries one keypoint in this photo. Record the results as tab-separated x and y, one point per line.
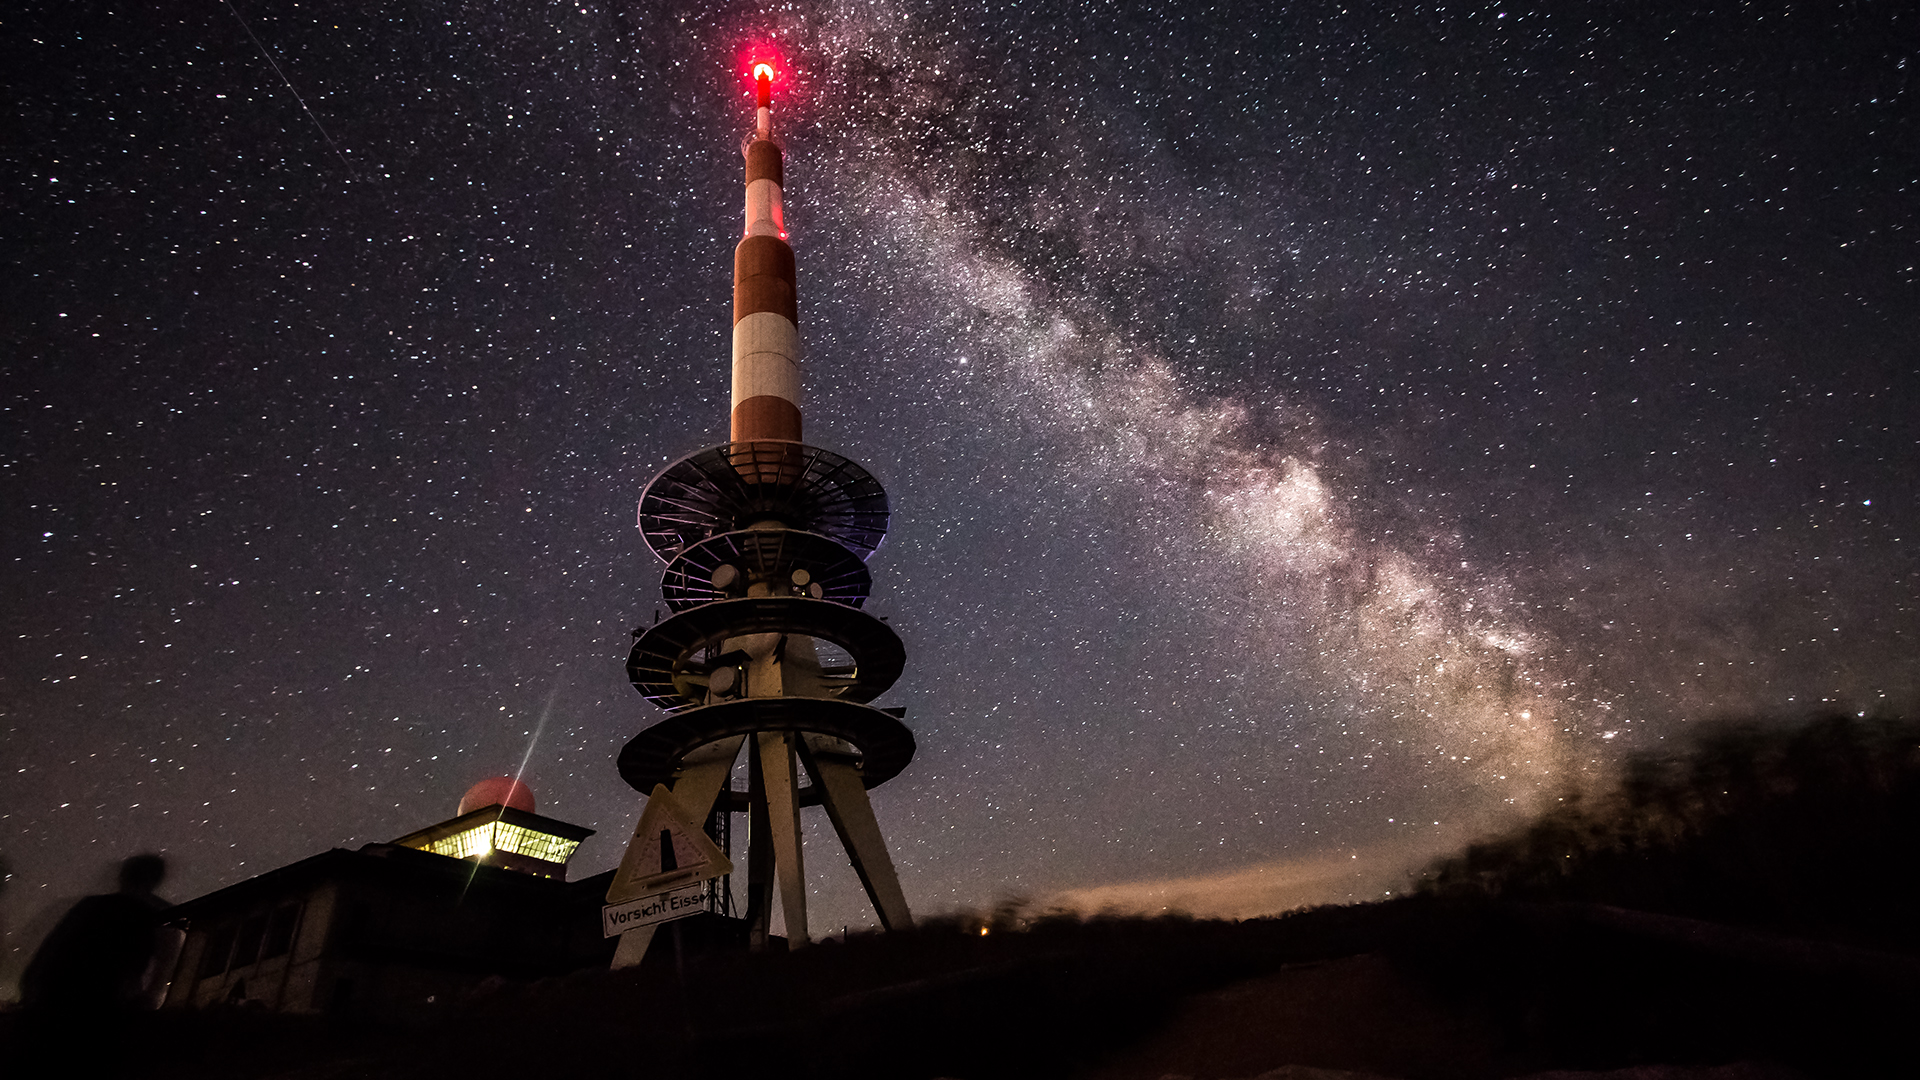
766	332
766	541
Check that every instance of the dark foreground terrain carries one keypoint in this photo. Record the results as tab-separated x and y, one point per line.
1743	909
1417	988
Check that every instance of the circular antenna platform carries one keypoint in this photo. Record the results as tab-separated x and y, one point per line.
668	664
730	487
721	567
884	744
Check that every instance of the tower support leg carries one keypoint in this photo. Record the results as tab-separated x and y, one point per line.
703	773
844	795
783	819
759	856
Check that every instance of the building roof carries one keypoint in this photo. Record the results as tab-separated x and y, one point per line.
385	863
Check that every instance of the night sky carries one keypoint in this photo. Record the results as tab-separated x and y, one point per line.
1314	433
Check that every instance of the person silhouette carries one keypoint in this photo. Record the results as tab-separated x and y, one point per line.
87	980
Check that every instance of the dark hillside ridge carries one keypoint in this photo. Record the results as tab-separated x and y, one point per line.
1747	900
1810	830
1416	988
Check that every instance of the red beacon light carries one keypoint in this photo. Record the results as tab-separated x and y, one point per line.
763	76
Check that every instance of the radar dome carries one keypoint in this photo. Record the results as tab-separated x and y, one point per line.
504	790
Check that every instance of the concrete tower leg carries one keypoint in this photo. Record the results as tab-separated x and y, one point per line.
759	856
783	819
844	795
702	774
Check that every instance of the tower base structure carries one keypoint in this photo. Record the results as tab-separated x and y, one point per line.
765	544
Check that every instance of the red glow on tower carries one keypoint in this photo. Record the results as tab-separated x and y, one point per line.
764	69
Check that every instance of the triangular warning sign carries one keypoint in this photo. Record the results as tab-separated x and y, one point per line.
665	852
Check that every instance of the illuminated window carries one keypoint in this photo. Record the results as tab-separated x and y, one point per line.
465	845
537	845
507	837
534	845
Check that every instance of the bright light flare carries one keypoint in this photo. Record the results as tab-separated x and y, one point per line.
763	61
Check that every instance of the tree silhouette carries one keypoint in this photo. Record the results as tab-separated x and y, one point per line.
1811	828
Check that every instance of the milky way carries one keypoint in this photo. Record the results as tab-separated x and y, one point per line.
1313	433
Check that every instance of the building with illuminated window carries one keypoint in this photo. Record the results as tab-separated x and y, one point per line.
505	837
389	930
